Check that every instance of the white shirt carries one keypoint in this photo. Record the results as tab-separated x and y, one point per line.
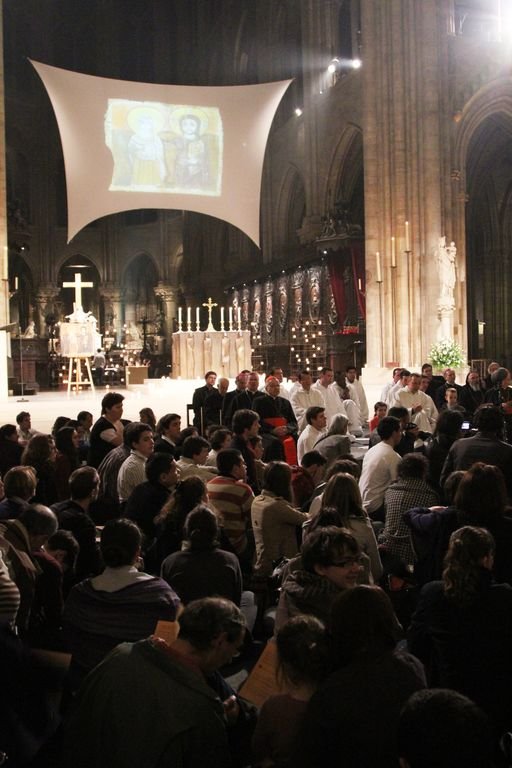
131	474
358	395
386	389
392	393
307	440
113	579
301	400
427	417
332	401
380	467
188	468
354	418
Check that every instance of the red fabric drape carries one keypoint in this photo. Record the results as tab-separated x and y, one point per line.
335	266
353	257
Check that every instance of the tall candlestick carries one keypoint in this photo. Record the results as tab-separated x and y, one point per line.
222	318
189	317
407	241
379	272
393	252
230	318
197	318
180	318
239	317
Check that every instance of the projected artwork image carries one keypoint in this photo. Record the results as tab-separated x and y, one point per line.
164	147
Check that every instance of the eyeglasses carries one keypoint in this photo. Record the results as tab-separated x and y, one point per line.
348	562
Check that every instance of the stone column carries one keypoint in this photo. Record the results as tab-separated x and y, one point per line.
406	165
44	303
4	283
111	298
167	294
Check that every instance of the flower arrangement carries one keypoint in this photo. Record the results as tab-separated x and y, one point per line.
447	353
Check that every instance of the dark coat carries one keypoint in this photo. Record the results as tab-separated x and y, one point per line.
72	518
467	648
482	447
10	455
144	504
159	713
211	573
352	719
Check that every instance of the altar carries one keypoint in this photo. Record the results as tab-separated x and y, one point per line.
225	352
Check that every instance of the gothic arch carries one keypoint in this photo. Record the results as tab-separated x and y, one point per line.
345	175
128	265
89	273
493	99
484	159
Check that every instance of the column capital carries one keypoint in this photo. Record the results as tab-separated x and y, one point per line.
165	291
110	292
45	292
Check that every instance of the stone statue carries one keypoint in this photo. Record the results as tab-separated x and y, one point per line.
446	256
225	350
207	351
240	351
30	331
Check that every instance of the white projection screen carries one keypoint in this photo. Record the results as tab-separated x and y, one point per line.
133	145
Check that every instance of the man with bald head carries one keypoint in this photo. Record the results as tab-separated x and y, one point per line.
214	401
227	403
244	400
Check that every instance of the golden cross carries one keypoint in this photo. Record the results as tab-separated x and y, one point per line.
210	305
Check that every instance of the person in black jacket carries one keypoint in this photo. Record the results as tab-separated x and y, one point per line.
147	499
73	516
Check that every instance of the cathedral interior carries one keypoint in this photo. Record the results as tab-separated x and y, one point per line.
394	134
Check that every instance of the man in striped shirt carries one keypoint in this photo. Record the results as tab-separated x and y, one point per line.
133	468
231	499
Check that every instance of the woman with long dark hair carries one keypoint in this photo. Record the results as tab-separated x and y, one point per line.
67	442
446	432
40	454
169	524
274	519
462	627
342	506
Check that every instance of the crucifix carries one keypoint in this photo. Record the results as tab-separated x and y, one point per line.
77	285
145	321
209	305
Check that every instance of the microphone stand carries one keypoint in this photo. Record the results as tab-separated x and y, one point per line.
22	382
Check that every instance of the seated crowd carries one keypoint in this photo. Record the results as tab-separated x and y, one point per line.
154	562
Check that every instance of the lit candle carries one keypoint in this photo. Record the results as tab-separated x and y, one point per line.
393	252
230	318
180	317
379	273
189	316
16	283
239	316
197	317
359	285
407	242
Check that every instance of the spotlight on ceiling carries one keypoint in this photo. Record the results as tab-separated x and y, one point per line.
356	63
298	111
333	66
